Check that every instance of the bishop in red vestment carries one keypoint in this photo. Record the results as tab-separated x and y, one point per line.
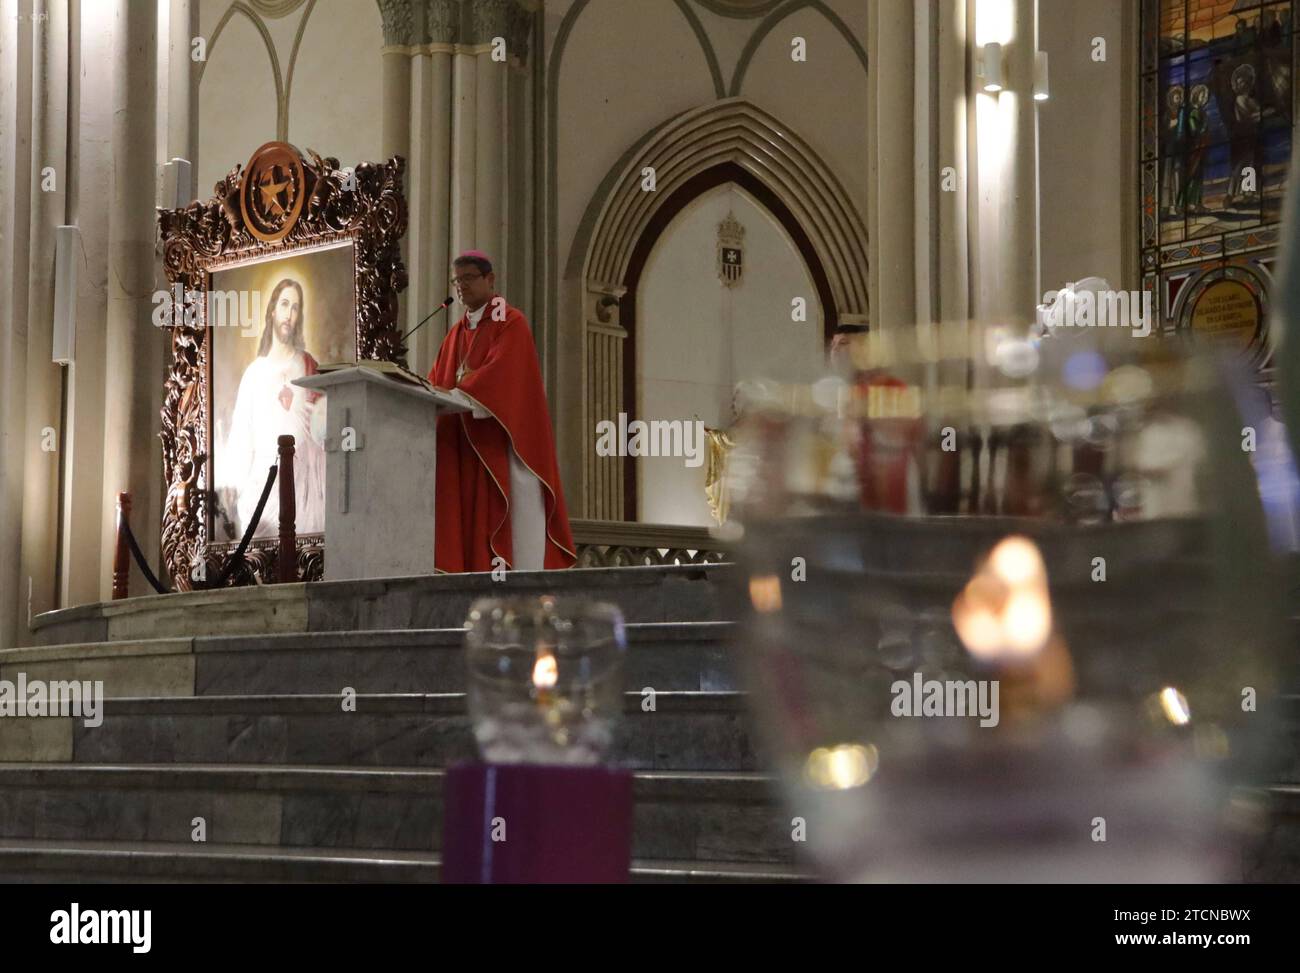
497	476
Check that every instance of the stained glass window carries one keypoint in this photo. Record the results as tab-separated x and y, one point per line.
1217	88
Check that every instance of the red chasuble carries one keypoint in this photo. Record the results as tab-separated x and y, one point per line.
473	469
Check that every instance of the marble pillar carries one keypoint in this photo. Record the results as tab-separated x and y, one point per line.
182	87
492	46
953	286
15	201
90	163
891	205
395	105
44	439
428	181
1021	289
464	150
1005	256
133	349
603	475
438	254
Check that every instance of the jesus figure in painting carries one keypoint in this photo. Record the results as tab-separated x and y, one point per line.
267	406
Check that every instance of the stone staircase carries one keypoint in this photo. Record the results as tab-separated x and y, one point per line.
246	730
227	706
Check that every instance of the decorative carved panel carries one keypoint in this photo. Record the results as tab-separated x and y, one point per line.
284	201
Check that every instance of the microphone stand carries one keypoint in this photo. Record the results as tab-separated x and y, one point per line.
443	306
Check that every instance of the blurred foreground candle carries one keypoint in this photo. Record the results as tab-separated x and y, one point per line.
545	696
993	696
545	678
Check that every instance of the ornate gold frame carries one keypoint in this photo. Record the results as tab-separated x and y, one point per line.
367	207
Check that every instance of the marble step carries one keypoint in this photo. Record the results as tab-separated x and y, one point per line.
661	655
927	557
33	860
666	656
1275	856
686	731
1287	770
645	594
678	815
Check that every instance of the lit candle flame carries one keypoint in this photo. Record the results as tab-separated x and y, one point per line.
1175	706
841	767
1004	612
765	593
545	672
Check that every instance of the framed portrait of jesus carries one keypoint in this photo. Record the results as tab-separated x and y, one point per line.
293	264
272	321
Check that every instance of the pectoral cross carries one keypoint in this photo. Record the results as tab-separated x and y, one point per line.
461	371
348	441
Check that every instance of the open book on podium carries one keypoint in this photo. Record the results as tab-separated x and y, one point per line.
393	370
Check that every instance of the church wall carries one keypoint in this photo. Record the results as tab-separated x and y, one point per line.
696	337
823	98
1087	184
237	97
327	57
335	82
624	69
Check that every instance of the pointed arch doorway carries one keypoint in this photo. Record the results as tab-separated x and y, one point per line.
730	141
690	337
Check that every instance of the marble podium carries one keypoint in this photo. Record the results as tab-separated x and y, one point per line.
381	450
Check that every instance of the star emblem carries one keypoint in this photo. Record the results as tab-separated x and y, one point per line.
273	192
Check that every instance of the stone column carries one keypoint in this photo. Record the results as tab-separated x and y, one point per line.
891	206
395	108
429	180
491	25
464	149
1019	226
439	255
90	163
133	349
952	290
15	215
44	441
182	88
603	371
395	118
1005	259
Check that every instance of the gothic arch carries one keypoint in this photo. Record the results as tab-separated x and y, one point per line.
281	96
730	131
778	15
729	140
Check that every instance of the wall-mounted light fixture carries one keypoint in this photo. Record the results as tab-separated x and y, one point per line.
67	246
1040	76
991	67
176	190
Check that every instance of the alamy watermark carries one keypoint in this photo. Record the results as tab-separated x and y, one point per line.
61	697
1071	308
949	697
74	925
657	437
226	309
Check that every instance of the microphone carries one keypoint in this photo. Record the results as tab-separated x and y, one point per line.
445	304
